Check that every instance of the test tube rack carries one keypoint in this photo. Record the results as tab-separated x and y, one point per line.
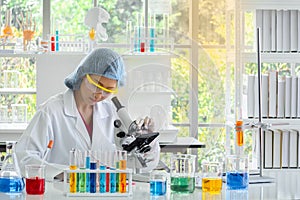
128	192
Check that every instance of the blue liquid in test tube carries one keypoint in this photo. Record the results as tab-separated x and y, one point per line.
88	166
152	36
93	178
56	40
102	179
113	181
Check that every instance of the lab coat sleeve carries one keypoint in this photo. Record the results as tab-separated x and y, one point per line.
32	145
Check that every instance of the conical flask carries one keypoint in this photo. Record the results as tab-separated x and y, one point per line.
11	180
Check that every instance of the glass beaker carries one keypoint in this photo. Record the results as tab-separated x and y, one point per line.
158	183
11	180
3	114
19	113
237	172
11	78
212	177
183	173
35	179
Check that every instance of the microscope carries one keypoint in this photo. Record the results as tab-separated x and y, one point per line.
129	136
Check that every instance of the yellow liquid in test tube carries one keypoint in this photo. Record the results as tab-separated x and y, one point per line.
122	187
73	178
213	185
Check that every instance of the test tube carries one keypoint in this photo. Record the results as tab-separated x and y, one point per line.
102	175
165	28
113	178
81	175
138	33
152	32
56	40
73	166
117	157
239	133
107	175
52	43
93	175
123	163
128	33
87	166
98	175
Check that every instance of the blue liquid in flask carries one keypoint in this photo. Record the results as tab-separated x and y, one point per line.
237	180
158	187
11	180
11	185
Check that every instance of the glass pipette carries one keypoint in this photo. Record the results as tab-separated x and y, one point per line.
49	146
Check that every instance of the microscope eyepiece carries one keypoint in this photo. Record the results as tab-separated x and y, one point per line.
117	123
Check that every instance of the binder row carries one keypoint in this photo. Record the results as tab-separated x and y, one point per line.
281	149
280	96
280	30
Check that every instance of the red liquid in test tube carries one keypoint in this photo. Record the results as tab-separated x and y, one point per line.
142	46
52	43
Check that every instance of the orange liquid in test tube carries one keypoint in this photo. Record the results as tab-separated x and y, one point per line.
122	186
239	133
73	179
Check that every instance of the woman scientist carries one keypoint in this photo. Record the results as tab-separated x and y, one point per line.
82	117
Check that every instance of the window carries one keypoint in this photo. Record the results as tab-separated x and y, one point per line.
202	71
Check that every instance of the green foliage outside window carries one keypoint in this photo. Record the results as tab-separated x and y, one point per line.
68	17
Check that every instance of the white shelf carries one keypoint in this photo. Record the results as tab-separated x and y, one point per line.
278	122
269	4
272	57
17	91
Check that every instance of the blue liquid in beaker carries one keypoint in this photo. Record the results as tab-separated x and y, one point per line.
237	180
158	187
11	185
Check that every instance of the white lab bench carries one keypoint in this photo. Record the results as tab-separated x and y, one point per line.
285	187
182	144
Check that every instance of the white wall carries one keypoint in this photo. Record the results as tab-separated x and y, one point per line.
51	72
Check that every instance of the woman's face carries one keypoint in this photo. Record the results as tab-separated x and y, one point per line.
95	88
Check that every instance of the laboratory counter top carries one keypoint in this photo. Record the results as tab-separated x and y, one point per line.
285	186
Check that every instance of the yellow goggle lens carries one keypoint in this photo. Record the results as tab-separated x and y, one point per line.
91	81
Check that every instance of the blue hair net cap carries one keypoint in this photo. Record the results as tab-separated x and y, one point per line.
102	62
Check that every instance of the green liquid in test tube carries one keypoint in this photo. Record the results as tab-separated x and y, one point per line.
81	175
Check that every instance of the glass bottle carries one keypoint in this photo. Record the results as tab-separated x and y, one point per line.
11	180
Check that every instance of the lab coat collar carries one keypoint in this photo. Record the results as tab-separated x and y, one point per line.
99	113
71	109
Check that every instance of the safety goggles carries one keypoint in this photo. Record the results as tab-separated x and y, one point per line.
96	88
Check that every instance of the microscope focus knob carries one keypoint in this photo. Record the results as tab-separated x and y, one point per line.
121	134
117	123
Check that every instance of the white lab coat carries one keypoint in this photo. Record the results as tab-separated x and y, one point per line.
59	120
